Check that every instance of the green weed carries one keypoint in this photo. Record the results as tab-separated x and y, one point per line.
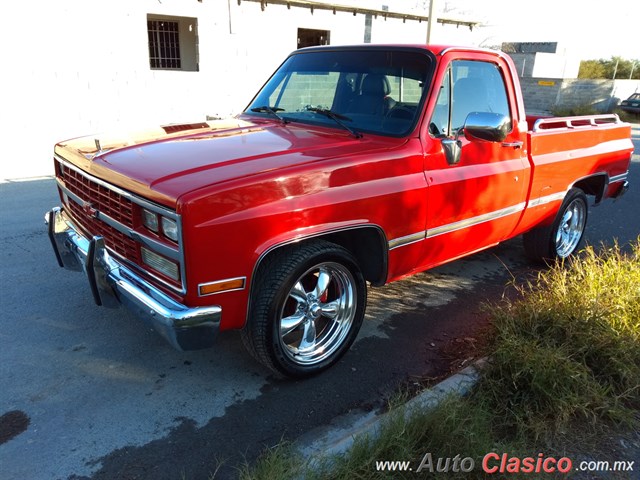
566	356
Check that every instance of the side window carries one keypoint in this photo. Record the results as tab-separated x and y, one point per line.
475	87
439	125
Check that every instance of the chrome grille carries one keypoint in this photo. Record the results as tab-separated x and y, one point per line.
107	202
99	209
116	241
101	198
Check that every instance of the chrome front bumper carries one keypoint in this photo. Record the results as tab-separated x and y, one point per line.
113	284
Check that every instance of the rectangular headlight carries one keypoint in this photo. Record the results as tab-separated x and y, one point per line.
160	264
170	229
150	220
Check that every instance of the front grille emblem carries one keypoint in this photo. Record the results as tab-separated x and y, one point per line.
87	208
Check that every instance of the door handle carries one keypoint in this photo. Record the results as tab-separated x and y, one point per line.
512	144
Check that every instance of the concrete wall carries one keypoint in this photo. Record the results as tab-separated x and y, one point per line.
543	94
540	94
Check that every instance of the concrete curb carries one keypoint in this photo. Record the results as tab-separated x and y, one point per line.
337	437
25	179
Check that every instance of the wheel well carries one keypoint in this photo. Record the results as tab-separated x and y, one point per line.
594	185
367	244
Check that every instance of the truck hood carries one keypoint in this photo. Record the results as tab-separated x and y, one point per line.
163	163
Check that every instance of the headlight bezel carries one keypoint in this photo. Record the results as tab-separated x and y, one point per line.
158	246
161	225
170	229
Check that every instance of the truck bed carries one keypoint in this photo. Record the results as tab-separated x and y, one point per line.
591	152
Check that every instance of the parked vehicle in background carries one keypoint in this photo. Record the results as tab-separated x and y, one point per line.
631	104
351	166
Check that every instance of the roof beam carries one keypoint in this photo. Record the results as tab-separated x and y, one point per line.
358	10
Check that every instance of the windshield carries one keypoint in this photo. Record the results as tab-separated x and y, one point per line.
371	91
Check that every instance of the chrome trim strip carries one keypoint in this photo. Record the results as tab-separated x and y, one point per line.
244	285
70	194
473	221
452	227
174	254
536	202
406	240
619	178
165	250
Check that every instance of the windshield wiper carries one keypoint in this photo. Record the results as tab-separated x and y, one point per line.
272	110
336	117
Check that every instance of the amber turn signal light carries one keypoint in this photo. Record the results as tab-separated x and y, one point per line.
221	286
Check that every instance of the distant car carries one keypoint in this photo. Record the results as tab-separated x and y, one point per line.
631	104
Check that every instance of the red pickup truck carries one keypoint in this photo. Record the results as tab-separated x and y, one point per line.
351	166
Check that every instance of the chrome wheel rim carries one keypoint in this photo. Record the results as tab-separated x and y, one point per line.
318	313
570	229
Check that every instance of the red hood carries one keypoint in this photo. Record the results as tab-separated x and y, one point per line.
167	162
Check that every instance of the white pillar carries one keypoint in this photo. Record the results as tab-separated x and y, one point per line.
431	21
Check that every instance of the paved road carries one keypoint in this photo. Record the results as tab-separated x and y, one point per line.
100	396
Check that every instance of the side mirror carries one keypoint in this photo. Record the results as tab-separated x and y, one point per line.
491	127
487	126
452	149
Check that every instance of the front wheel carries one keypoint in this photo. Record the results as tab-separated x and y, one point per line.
307	309
562	237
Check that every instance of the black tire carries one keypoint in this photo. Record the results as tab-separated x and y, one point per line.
307	308
562	238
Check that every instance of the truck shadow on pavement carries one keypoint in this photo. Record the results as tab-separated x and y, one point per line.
423	340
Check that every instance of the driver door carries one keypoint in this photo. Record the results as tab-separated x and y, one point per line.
478	201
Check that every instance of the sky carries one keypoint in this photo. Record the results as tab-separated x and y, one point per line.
588	29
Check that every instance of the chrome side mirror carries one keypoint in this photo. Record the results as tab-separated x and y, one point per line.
487	126
491	127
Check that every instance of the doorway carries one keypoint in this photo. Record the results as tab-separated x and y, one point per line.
308	37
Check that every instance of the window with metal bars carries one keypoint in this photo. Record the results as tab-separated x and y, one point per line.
173	43
164	44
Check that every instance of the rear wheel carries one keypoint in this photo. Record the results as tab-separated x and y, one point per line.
562	237
307	309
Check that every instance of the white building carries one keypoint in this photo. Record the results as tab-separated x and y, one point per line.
78	67
543	59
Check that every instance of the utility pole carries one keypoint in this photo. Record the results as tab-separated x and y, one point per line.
431	20
367	28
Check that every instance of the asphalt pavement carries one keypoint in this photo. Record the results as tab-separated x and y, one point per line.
92	393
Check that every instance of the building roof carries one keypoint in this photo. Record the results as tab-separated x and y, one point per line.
312	5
